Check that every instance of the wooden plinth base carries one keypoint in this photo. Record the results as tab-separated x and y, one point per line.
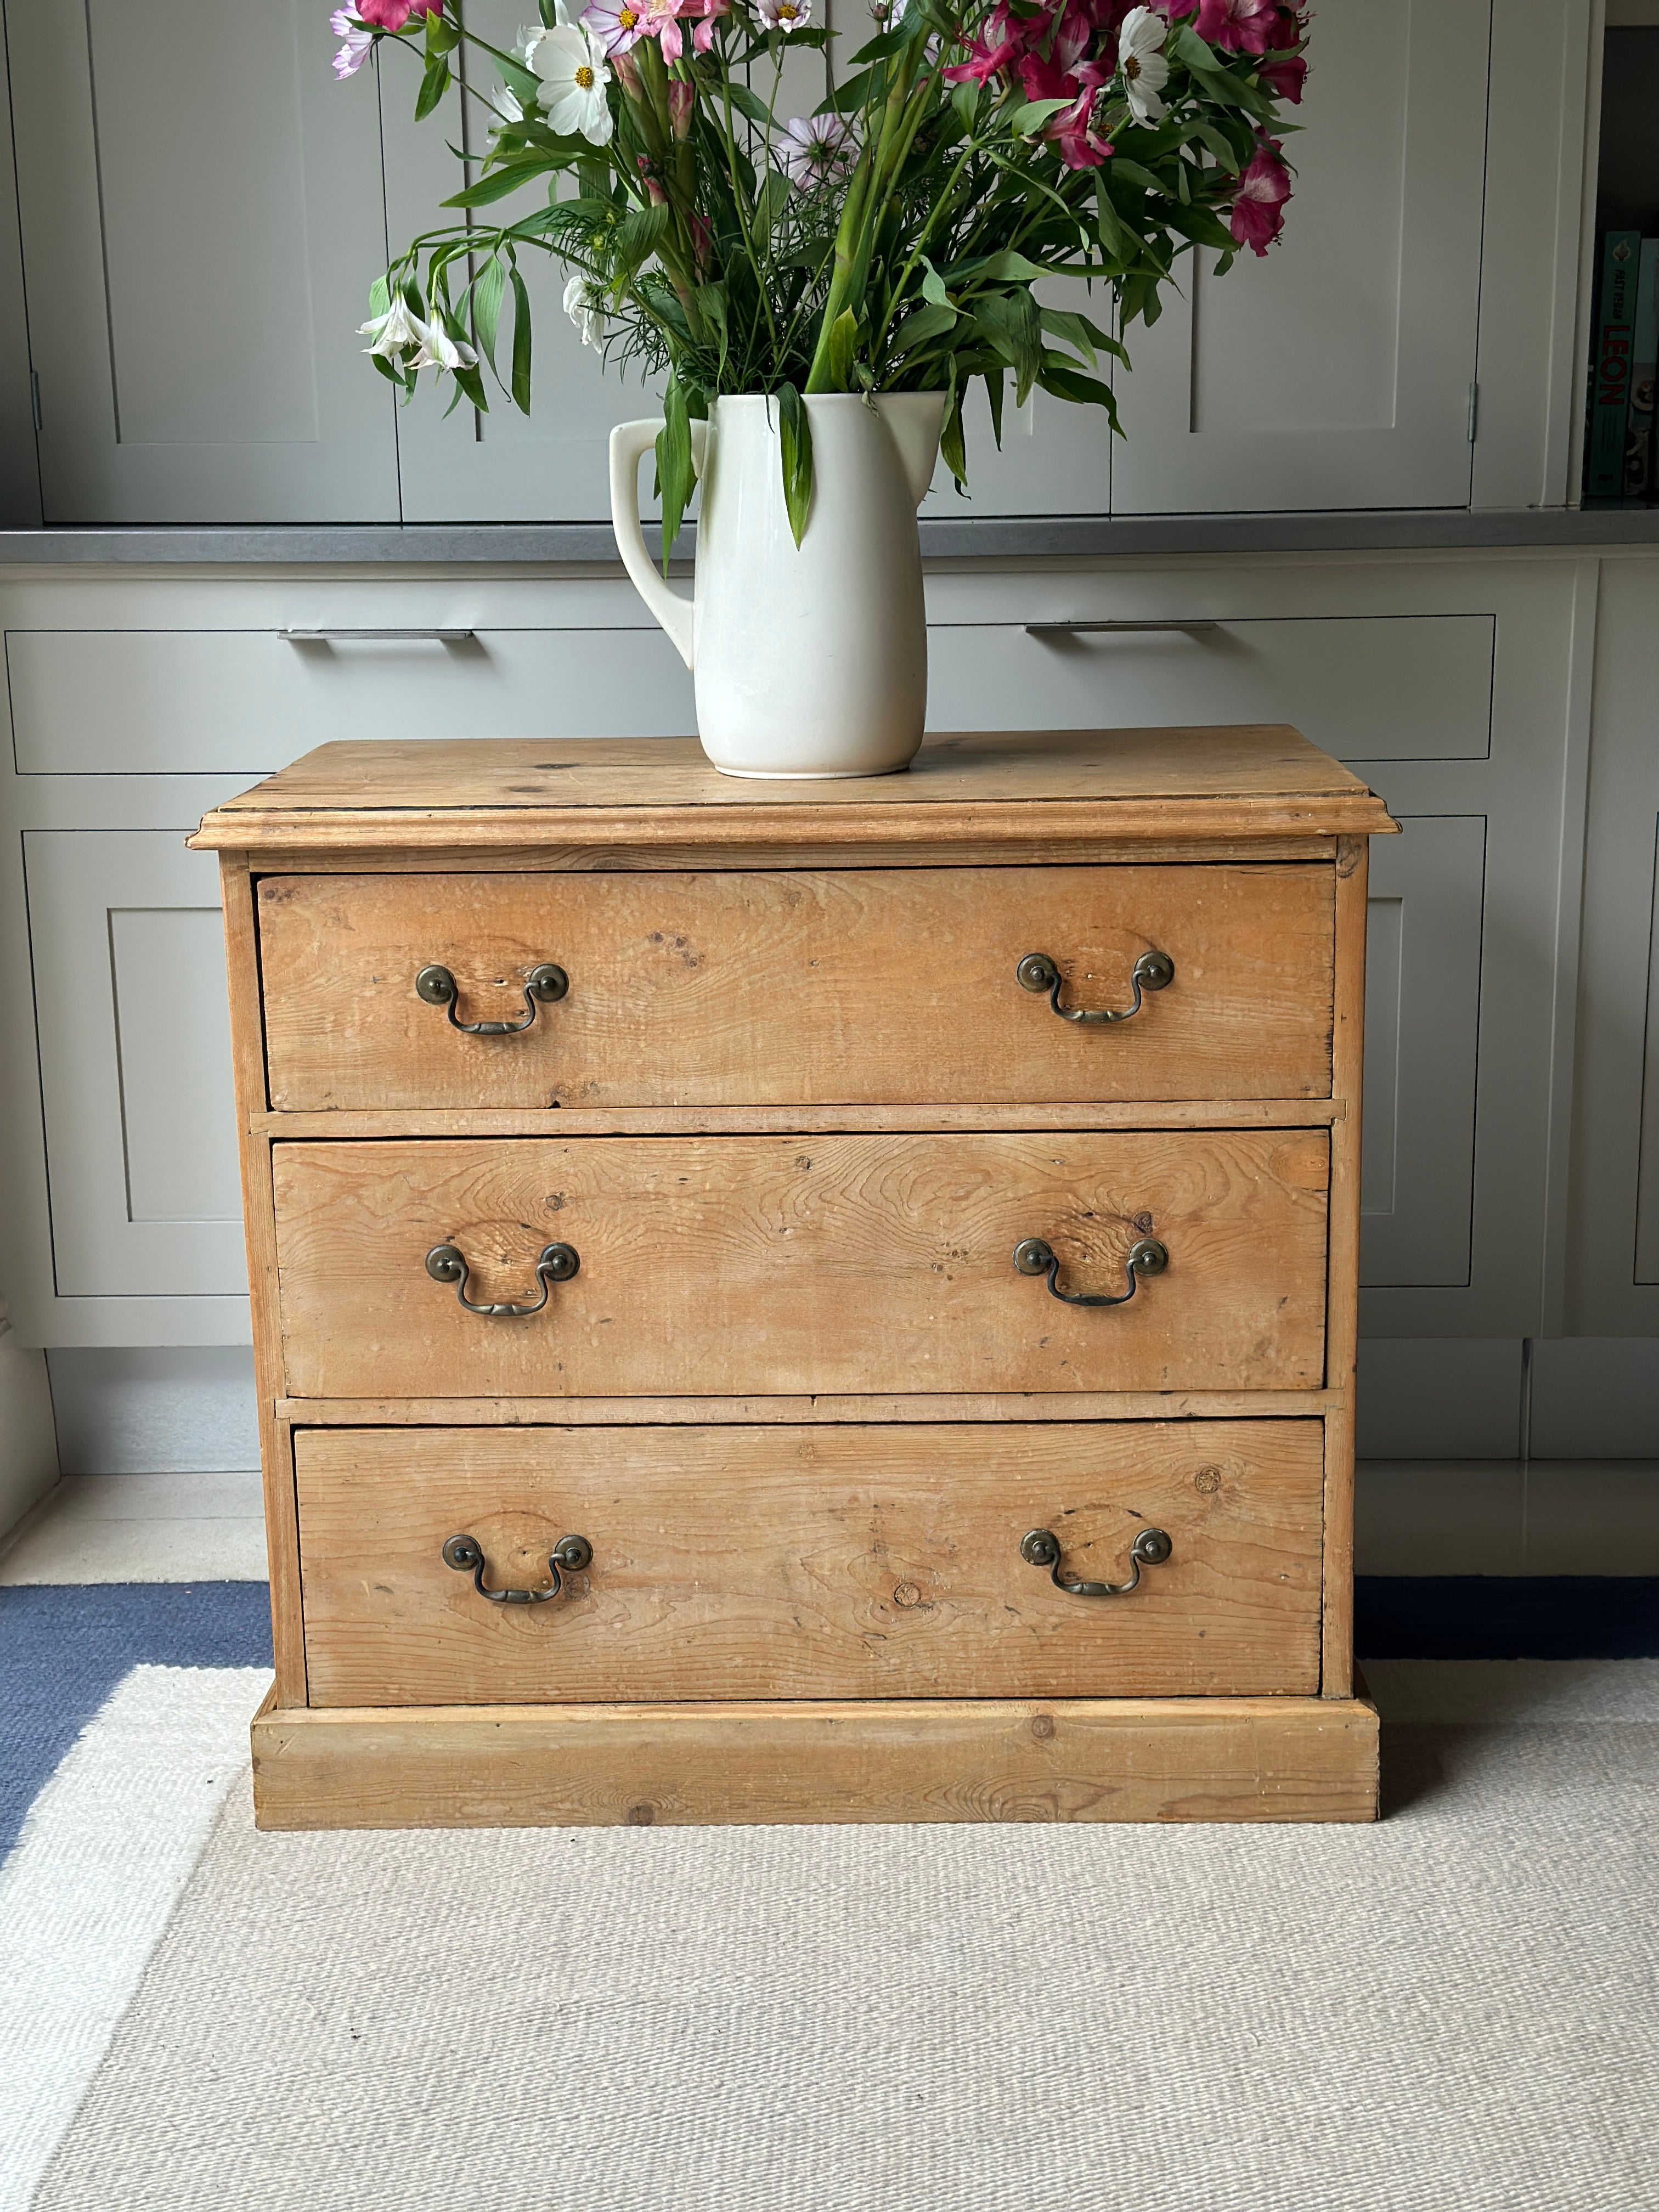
1095	1758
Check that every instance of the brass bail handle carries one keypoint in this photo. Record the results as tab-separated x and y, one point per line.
571	1555
1040	1547
1153	971
447	1263
1146	1256
543	986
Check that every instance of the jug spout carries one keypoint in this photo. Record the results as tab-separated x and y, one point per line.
915	419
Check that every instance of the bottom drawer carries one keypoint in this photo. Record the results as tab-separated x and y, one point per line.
810	1562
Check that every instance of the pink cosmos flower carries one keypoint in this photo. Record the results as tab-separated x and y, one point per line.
392	15
784	14
814	149
1263	188
347	24
617	24
1242	26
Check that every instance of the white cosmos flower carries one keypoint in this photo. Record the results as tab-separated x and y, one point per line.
582	306
570	63
1142	64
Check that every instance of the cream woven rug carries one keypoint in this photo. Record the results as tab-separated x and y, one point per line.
1457	2008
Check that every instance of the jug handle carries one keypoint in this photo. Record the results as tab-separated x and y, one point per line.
629	443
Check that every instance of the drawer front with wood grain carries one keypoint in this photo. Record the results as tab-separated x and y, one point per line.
826	1562
715	1266
845	986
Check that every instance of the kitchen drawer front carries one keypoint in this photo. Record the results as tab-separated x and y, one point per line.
715	1266
888	985
819	1562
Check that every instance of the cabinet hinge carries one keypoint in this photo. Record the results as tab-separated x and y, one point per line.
34	399
1475	409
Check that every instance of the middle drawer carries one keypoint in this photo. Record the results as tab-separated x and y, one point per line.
736	1265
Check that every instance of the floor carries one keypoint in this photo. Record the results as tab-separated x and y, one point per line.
1412	1517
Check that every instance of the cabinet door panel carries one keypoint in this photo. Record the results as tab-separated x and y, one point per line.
135	1065
1422	1021
202	213
1335	372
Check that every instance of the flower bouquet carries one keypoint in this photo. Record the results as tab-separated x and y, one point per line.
888	244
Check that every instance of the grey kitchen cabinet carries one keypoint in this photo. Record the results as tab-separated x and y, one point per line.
202	214
1612	1213
1337	371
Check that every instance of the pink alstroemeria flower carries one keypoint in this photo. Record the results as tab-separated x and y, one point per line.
1007	36
347	24
392	15
1071	129
617	24
703	12
1263	188
1242	27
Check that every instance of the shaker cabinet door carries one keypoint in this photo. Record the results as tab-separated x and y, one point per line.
1336	372
203	216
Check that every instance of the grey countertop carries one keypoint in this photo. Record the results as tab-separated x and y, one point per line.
1079	538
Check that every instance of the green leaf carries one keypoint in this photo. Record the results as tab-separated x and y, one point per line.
846	97
795	442
953	450
1219	145
1078	331
1006	268
487	288
843	344
933	285
931	321
1136	175
1011	325
1058	377
677	474
770	203
496	184
636	237
441	35
993	382
1026	120
910	26
434	83
521	385
750	104
379	298
964	98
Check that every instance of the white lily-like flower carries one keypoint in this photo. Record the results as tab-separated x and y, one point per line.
1142	63
507	104
440	350
393	333
570	63
585	309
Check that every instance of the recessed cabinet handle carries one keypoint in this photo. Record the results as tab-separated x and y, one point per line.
1040	1547
571	1555
543	986
1037	972
1193	627
379	636
1032	1256
447	1263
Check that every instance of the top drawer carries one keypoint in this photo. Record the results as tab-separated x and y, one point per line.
853	987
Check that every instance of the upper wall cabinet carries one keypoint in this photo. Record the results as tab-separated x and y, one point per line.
202	214
1337	371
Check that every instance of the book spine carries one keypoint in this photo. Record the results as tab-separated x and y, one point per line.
1644	375
1604	460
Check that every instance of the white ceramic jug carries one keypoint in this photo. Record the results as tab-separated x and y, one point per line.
810	661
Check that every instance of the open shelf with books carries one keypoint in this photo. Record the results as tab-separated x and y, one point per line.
1621	440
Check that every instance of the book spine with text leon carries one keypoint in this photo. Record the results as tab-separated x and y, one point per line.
1604	458
1644	375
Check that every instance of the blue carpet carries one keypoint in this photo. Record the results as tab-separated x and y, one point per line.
1506	1617
64	1650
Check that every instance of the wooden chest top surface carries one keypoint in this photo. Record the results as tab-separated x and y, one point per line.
1224	781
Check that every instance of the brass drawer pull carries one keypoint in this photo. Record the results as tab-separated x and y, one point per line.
1040	1547
1038	972
447	1263
571	1555
543	986
1147	1257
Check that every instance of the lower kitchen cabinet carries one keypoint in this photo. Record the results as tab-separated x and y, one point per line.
1459	688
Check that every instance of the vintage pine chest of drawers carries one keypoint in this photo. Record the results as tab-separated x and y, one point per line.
805	1302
